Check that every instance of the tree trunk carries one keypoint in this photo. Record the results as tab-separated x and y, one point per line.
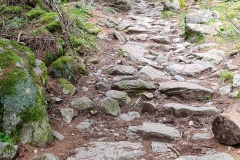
226	126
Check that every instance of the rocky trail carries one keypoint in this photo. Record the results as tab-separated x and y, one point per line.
148	94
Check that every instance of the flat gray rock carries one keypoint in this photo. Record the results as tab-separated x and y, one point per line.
83	103
110	106
129	116
120	96
187	69
218	156
161	39
158	130
122	150
148	72
185	90
201	16
147	106
201	29
159	147
182	109
201	136
214	56
122	69
225	90
133	85
57	135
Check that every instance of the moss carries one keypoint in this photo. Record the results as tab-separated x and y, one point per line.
49	17
35	13
65	84
54	26
92	28
32	114
82	69
8	59
182	3
10	9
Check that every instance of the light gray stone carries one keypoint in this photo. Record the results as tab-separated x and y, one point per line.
201	16
201	29
133	84
234	94
57	135
7	151
171	4
218	156
158	130
122	69
148	72
159	147
161	58
49	157
119	36
182	109
178	78
205	46
225	90
142	37
229	66
236	80
129	116
185	90
187	69
201	136
100	86
161	39
139	30
68	114
122	150
84	127
83	103
147	106
214	56
120	96
110	106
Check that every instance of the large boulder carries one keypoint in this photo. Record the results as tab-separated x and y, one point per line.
173	4
22	101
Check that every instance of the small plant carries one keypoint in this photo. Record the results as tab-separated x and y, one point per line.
110	10
201	99
5	138
123	53
225	76
167	14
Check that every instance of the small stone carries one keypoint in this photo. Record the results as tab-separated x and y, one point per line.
94	60
35	151
129	116
84	89
122	69
201	136
225	90
234	94
118	36
68	114
142	37
84	127
147	106
190	123
178	78
57	135
100	86
83	103
236	80
110	106
120	96
159	147
49	157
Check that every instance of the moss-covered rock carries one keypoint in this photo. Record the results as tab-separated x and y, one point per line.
7	151
24	101
51	22
68	67
67	87
92	28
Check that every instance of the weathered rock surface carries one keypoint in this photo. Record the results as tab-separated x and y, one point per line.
148	72
218	156
109	150
129	116
49	157
187	69
120	96
83	103
214	56
201	16
57	135
184	90
200	29
159	147
122	69
182	109
7	151
147	106
110	106
133	85
201	136
84	127
156	129
236	80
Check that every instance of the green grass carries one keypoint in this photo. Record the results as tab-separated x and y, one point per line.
225	76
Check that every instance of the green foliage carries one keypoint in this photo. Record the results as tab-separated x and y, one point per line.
225	76
203	99
5	138
110	10
123	53
49	17
35	13
54	27
10	9
16	22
